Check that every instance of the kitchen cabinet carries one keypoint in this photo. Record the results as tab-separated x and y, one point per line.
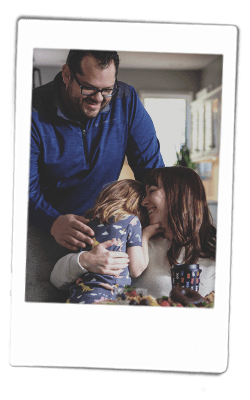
205	126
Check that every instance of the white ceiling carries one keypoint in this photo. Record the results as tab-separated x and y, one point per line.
55	58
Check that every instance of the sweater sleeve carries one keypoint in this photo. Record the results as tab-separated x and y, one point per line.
66	271
143	150
41	214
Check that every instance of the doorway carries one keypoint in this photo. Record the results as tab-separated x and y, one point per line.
171	116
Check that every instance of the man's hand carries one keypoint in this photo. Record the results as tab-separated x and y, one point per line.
102	261
71	231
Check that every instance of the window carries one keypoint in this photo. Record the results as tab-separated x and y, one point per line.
171	116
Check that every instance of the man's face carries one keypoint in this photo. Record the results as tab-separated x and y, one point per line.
92	76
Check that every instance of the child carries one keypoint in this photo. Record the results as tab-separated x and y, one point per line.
115	216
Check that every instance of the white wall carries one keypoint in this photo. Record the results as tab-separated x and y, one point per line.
211	76
152	79
145	79
48	73
170	80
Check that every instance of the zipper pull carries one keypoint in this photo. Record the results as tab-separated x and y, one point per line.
85	145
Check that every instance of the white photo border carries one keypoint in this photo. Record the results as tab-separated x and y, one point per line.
134	338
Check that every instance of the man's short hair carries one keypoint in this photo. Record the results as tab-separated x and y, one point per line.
103	58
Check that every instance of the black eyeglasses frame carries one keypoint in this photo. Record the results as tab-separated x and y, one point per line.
82	87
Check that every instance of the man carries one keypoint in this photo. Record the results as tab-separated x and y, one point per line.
83	125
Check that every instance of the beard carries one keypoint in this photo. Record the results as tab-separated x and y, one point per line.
83	107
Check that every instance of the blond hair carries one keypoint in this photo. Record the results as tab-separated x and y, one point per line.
118	199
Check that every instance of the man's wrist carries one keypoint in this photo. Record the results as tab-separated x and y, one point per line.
82	260
52	226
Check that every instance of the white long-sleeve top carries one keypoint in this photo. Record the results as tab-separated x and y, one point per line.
66	271
156	278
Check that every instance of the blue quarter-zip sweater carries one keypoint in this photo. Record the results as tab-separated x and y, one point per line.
70	163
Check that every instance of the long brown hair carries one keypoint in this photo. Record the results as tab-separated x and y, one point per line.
119	199
188	215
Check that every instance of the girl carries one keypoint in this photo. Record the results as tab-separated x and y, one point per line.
115	217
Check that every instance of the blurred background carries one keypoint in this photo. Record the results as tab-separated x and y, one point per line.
182	94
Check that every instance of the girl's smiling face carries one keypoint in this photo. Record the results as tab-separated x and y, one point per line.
155	202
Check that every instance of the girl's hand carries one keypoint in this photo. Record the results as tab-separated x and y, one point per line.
152	230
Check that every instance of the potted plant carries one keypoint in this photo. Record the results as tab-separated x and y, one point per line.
184	159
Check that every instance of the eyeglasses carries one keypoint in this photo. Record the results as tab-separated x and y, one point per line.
91	91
